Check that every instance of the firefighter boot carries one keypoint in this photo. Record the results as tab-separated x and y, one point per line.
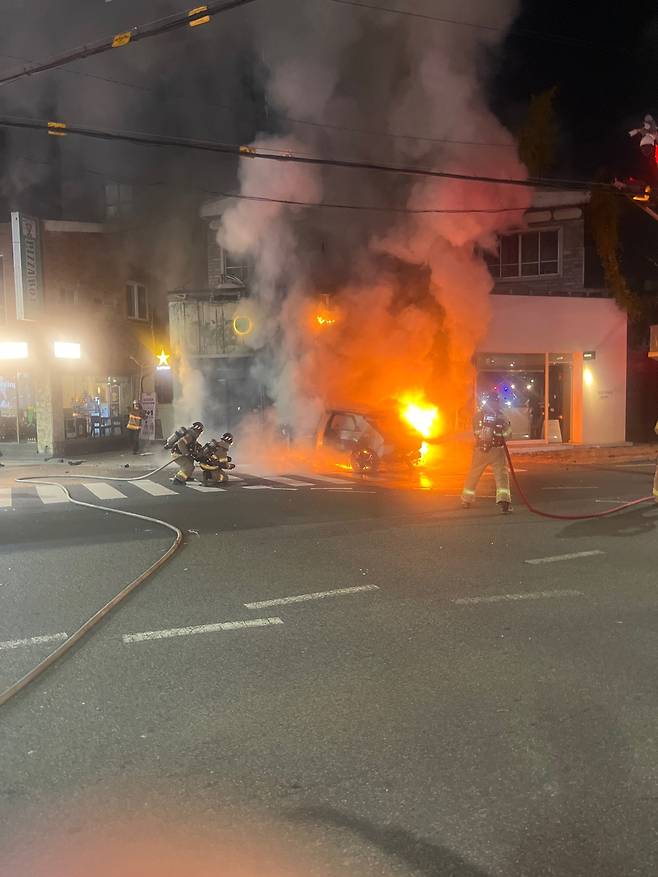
505	507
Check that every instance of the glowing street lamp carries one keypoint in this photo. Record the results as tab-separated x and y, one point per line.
13	349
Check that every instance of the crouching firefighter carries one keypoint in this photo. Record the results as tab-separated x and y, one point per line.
491	429
184	446
214	461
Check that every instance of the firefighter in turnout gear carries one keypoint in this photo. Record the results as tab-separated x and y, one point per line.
184	445
213	460
491	429
135	420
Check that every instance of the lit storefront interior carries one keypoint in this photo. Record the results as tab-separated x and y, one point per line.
95	406
525	383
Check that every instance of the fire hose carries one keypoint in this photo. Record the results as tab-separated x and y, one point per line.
98	616
536	511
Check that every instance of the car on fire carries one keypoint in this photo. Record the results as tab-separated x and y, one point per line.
369	440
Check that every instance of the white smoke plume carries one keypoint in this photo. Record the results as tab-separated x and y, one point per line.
410	290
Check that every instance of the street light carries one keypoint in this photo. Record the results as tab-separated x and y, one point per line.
13	349
66	350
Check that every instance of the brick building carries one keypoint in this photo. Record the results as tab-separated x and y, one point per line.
80	324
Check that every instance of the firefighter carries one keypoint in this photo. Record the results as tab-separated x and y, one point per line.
491	428
214	460
648	136
184	445
135	420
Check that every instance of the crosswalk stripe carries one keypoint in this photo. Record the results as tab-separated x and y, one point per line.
203	489
329	480
5	497
103	490
275	478
50	493
154	488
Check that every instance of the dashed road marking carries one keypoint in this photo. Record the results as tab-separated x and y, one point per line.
201	628
33	641
557	557
318	595
5	497
153	487
571	487
103	490
266	487
51	493
512	598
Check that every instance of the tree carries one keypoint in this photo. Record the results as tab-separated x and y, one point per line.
604	223
539	135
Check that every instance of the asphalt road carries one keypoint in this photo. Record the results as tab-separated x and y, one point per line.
475	695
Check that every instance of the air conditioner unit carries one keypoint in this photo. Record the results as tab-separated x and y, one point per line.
653	343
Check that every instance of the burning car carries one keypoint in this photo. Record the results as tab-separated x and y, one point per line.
369	440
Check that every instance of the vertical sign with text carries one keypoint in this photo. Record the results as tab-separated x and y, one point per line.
28	279
149	404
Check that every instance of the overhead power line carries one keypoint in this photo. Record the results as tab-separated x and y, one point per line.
512	31
62	129
190	18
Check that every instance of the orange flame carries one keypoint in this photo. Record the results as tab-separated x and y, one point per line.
323	320
425	418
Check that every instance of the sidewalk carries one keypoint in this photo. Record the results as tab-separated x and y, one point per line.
145	461
625	452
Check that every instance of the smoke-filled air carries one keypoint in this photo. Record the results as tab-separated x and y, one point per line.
356	306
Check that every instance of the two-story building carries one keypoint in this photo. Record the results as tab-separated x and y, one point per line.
556	347
78	335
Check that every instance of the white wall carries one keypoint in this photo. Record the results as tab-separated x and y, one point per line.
535	324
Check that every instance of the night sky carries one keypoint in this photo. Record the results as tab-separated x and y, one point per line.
603	60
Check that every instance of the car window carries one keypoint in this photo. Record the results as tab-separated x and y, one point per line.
343	423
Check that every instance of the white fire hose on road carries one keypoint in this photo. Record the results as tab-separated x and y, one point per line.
98	616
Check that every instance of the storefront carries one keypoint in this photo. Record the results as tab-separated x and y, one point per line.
559	366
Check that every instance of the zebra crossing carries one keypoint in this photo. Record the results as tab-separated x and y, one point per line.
124	491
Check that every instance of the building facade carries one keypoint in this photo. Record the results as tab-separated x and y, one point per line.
78	335
556	347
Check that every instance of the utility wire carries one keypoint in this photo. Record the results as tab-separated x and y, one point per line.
190	18
62	129
392	135
512	31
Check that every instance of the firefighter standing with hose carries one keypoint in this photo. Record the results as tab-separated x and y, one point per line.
491	429
135	420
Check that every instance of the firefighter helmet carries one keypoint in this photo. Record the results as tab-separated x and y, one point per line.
197	426
227	438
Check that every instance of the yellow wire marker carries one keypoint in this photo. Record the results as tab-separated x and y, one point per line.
198	11
57	129
121	39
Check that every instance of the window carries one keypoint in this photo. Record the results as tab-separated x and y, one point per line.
235	267
526	254
118	200
136	301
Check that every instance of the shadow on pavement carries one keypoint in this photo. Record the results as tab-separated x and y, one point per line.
426	858
643	520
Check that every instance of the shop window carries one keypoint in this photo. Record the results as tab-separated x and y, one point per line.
95	407
520	381
118	201
526	254
136	301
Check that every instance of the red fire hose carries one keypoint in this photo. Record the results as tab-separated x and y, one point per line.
535	511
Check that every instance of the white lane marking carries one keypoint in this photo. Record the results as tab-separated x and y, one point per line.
50	493
284	479
201	628
32	641
203	489
154	488
611	501
103	490
334	488
318	595
511	598
557	557
571	487
5	497
328	479
265	487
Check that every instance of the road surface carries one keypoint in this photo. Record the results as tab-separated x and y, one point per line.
336	677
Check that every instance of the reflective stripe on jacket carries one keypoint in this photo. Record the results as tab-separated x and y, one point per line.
134	421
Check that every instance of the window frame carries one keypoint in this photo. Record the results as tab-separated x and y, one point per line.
134	286
499	277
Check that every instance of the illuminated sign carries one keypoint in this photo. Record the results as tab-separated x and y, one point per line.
13	349
66	350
